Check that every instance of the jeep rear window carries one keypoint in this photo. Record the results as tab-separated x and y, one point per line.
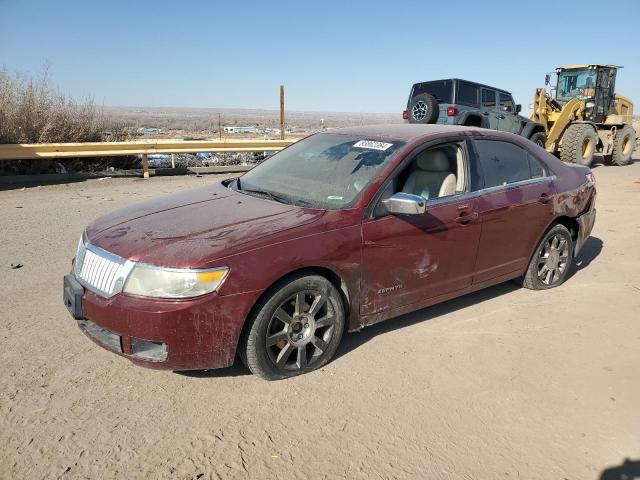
442	90
467	94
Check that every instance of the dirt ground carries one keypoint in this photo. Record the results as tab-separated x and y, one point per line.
504	383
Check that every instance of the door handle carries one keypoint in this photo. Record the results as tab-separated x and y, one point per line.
544	198
500	116
466	218
485	113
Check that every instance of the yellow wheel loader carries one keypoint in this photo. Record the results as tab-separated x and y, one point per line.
586	116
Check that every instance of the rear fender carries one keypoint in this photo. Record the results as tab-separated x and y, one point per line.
469	115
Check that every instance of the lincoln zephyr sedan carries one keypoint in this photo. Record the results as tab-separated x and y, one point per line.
339	231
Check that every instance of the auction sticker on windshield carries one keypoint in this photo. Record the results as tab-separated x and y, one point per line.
372	145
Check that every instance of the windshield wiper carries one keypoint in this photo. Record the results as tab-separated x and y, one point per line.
269	195
303	203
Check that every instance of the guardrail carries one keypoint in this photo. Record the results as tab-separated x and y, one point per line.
140	147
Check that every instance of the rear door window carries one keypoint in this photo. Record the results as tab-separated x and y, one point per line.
502	163
468	94
489	99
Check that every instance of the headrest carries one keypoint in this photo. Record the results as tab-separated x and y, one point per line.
432	161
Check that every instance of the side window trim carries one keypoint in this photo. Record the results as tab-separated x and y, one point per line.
486	191
461	142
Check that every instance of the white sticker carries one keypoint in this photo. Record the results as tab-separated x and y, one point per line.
333	197
372	145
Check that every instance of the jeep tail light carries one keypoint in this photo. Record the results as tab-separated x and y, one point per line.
405	115
452	111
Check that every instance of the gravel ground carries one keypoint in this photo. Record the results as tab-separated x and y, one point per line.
504	383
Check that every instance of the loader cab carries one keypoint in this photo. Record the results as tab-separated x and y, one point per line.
593	84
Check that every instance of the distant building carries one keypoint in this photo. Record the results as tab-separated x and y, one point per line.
240	130
148	131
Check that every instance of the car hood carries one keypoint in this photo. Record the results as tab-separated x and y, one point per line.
193	229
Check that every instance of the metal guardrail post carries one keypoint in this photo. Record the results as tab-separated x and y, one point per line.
145	165
281	112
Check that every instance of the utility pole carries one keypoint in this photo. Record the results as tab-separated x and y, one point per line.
219	127
281	112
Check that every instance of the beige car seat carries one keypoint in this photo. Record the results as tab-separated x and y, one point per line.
431	177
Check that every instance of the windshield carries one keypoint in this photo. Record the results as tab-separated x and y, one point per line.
579	83
326	171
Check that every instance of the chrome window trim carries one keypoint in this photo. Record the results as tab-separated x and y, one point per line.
483	191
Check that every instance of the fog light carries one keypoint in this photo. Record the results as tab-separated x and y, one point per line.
155	351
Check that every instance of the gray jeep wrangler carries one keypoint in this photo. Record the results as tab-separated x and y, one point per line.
460	102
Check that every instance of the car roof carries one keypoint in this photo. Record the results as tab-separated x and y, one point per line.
402	131
467	81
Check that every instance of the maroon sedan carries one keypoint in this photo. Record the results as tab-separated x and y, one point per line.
341	230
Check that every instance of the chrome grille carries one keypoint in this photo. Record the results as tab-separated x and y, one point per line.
98	270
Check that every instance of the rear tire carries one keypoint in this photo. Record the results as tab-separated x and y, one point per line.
539	138
424	109
294	330
551	260
623	146
579	144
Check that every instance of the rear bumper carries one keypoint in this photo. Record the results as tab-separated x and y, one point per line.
193	334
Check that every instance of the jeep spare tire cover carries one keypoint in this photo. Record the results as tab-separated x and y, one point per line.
423	108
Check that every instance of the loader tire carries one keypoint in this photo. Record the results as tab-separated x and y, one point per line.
623	146
579	144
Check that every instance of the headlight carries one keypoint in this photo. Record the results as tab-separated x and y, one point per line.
151	281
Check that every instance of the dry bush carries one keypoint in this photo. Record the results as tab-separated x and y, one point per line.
32	110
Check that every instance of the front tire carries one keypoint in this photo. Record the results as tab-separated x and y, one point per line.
539	138
551	261
579	144
294	330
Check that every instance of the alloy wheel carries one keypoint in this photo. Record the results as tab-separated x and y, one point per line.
553	259
300	330
419	111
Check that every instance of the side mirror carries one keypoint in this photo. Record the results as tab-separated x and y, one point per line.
547	79
518	108
405	204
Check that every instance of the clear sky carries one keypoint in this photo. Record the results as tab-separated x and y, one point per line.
348	55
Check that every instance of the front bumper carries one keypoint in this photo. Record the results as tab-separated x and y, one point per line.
200	333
